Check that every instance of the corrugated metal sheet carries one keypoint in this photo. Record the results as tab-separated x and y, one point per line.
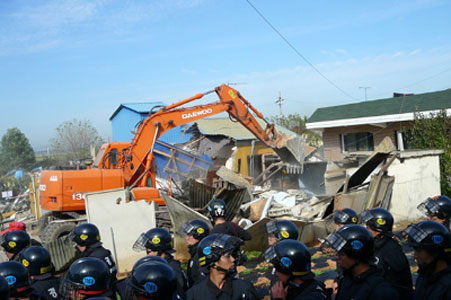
235	130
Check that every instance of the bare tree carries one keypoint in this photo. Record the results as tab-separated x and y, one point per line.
74	139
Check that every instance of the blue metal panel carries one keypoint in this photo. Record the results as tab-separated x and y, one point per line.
179	164
123	124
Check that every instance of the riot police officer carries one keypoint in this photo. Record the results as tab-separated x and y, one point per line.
216	213
215	254
437	209
194	231
121	285
353	247
87	238
278	230
16	275
4	289
86	278
40	269
292	262
345	216
432	245
152	281
388	255
14	243
158	242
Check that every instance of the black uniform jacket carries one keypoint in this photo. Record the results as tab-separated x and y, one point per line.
233	289
308	290
232	229
368	285
96	250
434	287
182	284
47	285
393	263
193	270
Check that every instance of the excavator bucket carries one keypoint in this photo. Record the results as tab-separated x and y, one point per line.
291	150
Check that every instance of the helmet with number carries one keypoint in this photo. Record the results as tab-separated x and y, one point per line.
282	229
17	277
378	219
197	228
37	260
428	235
152	280
439	206
290	257
353	240
217	209
85	234
86	276
156	239
346	216
211	248
15	241
4	289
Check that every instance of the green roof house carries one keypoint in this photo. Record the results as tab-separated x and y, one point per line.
362	126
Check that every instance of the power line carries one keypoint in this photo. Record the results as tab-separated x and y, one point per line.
298	53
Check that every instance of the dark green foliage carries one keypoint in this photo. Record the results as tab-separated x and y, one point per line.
15	151
434	132
296	123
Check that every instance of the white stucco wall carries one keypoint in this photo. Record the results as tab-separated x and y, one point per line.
417	177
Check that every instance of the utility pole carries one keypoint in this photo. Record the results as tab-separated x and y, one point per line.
365	88
279	102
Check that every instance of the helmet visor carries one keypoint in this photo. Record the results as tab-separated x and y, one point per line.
333	244
414	234
140	243
429	207
70	290
366	216
188	229
2	238
226	243
271	228
70	238
270	254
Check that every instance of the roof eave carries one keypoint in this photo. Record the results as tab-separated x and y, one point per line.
369	120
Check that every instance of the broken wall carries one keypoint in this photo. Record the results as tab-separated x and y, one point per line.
417	177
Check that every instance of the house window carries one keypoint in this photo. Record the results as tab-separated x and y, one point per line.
358	141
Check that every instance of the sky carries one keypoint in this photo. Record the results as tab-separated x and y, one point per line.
79	59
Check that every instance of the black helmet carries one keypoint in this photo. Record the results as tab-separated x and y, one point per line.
152	280
4	289
85	234
148	259
16	275
197	228
378	219
37	260
86	276
282	229
353	240
346	216
15	241
156	239
439	206
290	257
216	209
428	235
211	248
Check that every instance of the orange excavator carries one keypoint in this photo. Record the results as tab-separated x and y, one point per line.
130	165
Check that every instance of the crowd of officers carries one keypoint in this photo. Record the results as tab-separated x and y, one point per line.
370	261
